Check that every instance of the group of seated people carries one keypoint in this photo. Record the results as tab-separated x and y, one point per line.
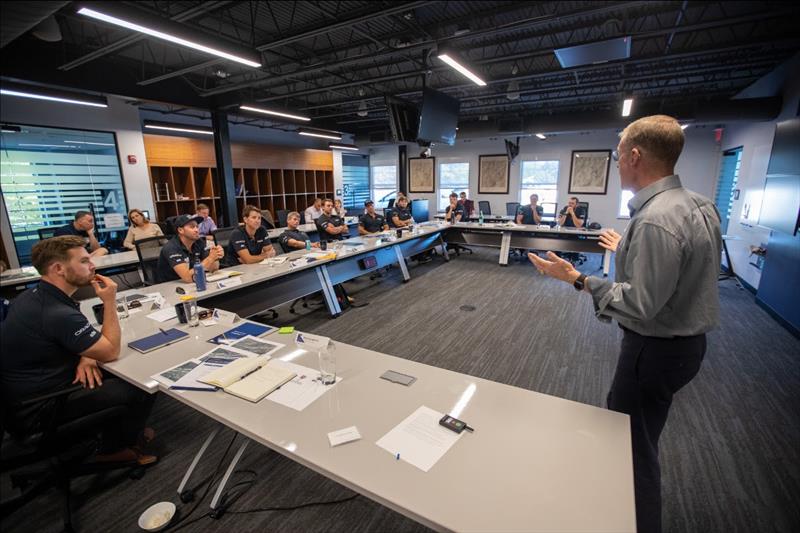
571	216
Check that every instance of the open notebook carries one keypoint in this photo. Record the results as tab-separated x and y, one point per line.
250	378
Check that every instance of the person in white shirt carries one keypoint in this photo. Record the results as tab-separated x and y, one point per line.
314	211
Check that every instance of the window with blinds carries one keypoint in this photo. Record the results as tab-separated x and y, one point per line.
728	177
355	181
47	174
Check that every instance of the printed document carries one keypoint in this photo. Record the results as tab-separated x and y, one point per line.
419	439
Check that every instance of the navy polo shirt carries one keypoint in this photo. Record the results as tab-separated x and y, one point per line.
527	213
372	224
70	229
457	210
294	234
568	223
240	240
402	213
323	221
41	341
173	253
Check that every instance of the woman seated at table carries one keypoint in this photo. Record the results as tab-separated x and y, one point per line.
249	243
338	208
141	228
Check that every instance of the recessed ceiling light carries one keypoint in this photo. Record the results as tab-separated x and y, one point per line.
627	104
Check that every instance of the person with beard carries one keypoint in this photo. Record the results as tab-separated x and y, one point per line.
48	344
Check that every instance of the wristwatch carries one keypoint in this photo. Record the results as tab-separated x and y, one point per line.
578	284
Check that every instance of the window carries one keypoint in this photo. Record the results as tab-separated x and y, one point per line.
624	197
540	177
355	181
453	177
47	174
384	185
728	177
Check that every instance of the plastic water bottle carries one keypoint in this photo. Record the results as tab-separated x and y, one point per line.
308	244
480	218
199	274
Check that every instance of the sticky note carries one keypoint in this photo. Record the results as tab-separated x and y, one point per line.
285	330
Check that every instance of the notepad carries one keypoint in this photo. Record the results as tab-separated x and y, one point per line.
249	378
223	274
158	340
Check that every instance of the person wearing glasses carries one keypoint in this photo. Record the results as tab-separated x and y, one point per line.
664	298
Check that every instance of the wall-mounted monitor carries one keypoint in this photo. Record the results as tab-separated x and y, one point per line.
403	119
439	118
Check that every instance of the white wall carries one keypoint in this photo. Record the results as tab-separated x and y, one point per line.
697	167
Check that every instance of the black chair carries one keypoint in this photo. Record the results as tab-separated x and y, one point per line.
148	251
585	207
283	214
170	223
266	219
222	236
46	233
512	208
390	204
52	454
485	207
469	208
166	229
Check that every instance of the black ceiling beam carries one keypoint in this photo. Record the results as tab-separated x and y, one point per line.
200	9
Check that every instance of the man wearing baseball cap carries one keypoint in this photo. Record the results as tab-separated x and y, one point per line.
179	255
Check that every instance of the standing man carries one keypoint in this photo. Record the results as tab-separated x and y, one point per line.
293	238
331	227
572	216
206	225
250	243
83	226
371	221
47	344
664	298
530	214
179	255
314	211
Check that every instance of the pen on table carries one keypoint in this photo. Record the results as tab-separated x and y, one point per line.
398	456
162	331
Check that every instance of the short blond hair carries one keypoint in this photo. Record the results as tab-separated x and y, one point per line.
659	136
45	253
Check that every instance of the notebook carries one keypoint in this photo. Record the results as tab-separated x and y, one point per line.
242	330
158	340
249	378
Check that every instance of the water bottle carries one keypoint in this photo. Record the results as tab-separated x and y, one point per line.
480	218
199	274
308	244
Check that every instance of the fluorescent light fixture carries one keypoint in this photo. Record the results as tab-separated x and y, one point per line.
37	95
9	128
684	126
342	146
182	128
275	113
627	104
148	30
49	146
541	136
321	134
88	142
453	62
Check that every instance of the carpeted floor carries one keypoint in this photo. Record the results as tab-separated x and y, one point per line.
729	452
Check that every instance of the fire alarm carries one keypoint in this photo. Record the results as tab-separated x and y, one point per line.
132	159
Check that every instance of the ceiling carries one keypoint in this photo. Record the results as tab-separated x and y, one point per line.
336	60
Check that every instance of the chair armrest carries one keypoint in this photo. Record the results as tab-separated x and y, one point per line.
49	395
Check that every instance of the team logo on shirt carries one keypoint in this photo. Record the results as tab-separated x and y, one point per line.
82	329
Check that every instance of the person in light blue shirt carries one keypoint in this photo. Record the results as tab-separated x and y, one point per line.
207	226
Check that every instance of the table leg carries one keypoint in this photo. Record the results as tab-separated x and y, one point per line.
402	262
228	473
444	248
196	460
505	248
606	263
328	292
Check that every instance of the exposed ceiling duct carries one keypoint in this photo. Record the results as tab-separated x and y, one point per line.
20	17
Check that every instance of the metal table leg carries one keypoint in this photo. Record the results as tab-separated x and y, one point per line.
402	262
228	473
606	263
196	460
328	292
505	248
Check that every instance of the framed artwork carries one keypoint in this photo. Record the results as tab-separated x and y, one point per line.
421	174
493	174
588	173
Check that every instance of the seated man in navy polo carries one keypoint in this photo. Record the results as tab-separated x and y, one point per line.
331	227
179	255
572	216
293	238
83	226
530	214
455	211
47	344
371	221
401	213
250	243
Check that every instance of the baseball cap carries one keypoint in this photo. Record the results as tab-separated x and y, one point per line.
181	220
368	203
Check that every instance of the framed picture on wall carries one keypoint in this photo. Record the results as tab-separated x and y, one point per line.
493	174
588	173
421	174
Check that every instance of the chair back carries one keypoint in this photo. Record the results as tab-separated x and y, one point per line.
469	207
46	233
390	204
222	236
266	219
585	207
170	225
512	208
283	214
485	207
148	251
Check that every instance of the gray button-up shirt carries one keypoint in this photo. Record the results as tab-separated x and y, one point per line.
667	265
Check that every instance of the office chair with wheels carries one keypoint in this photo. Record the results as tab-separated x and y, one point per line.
485	207
222	236
46	233
148	251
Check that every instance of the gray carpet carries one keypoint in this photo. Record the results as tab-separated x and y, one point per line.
729	452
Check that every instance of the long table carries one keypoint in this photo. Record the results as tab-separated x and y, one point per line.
510	236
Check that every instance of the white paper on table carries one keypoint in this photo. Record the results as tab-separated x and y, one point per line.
302	390
272	261
343	436
419	439
163	315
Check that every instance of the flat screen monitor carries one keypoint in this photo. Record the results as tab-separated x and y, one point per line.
439	118
403	119
419	210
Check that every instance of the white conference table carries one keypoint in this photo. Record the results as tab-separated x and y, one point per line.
27	275
534	462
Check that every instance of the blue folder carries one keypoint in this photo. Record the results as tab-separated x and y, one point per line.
242	330
157	340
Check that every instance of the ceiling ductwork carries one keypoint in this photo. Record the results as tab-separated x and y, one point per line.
21	17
